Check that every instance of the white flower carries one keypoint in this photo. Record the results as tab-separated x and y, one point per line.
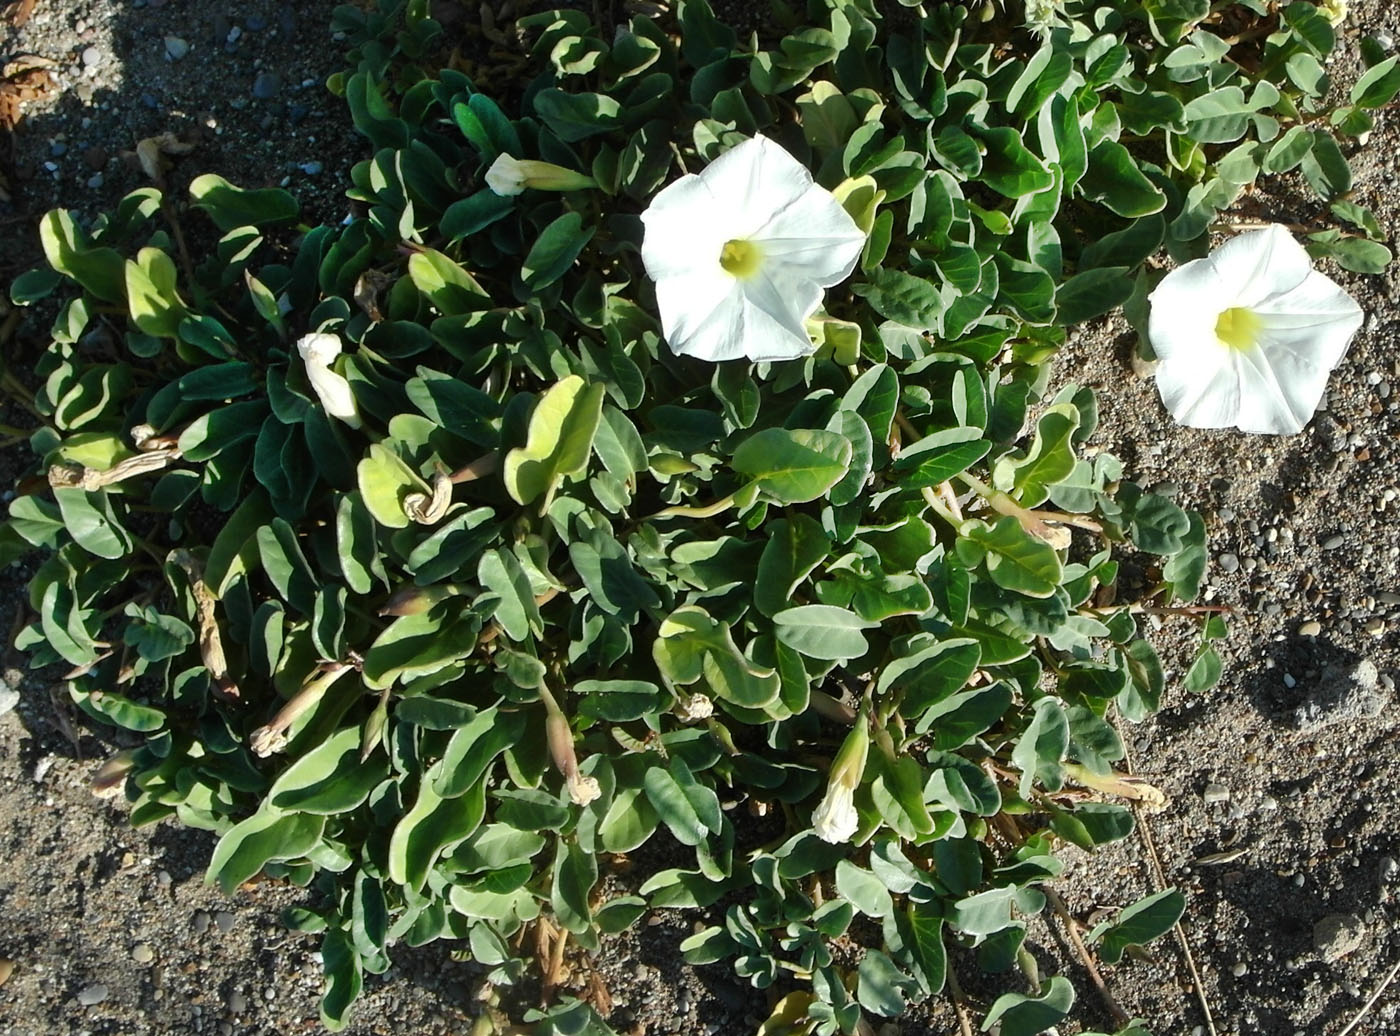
510	176
835	818
1247	336
583	790
318	351
1335	11
741	252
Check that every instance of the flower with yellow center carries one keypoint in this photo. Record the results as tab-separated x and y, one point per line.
741	253
1247	336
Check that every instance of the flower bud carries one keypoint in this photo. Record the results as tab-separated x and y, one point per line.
835	819
318	351
510	176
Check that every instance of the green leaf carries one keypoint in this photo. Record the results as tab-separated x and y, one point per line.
688	808
1029	474
575	874
1325	167
560	437
690	645
577	116
101	271
328	780
793	465
863	890
1115	180
823	632
1378	86
342	967
1138	924
881	985
433	826
1021	1015
930	673
231	207
93	523
1041	748
554	251
939	456
1015	559
1092	293
903	298
269	835
795	547
152	296
384	481
500	572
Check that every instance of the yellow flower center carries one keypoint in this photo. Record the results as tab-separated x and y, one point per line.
1238	328
741	258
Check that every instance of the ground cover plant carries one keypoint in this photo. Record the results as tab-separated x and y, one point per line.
442	625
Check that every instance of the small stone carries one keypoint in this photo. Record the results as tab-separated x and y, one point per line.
142	953
58	149
91	995
234	35
176	48
91	56
1337	935
95	181
1229	563
9	698
1310	629
1268	804
1240	969
1333	542
200	922
1387	870
266	85
312	168
237	1003
7	968
95	157
225	921
1215	793
1344	695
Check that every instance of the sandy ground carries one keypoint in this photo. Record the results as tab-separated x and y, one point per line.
1284	816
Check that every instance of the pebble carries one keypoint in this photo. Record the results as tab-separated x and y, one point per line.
91	56
200	922
95	181
225	921
266	85
176	48
1229	563
1240	969
1216	793
234	35
1333	542
142	953
312	168
9	698
237	1002
95	157
91	995
7	968
1387	870
1310	629
1337	935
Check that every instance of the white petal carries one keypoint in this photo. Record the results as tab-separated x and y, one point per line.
814	237
505	177
686	228
835	819
755	179
319	348
1200	389
777	329
698	309
334	393
1260	263
1315	321
1276	400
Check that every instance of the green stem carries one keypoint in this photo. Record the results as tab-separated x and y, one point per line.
707	511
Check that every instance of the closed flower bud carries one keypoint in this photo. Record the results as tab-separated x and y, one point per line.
318	352
509	176
835	819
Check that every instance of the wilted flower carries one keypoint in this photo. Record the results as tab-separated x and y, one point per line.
1247	336
741	252
510	176
835	818
318	351
692	708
